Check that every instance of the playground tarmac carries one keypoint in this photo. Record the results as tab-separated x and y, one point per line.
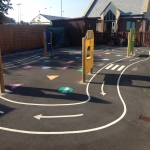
47	107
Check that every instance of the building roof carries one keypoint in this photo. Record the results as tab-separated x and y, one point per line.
52	17
126	7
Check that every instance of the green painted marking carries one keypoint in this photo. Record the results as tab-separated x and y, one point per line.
46	60
65	90
118	55
79	70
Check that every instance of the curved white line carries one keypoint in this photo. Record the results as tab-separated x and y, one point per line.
34	104
87	130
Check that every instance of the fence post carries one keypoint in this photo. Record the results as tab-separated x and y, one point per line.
83	59
44	42
51	42
2	90
128	44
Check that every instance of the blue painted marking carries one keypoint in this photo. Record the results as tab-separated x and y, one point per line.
105	59
77	57
46	67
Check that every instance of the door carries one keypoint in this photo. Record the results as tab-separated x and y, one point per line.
113	27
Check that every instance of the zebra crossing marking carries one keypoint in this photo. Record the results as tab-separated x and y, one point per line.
109	66
121	68
113	67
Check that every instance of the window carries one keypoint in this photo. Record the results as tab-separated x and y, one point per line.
109	16
129	25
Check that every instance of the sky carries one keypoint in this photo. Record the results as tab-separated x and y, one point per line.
30	8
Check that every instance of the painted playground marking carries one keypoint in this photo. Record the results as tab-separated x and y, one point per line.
28	67
69	104
105	59
77	57
46	61
134	69
64	68
14	86
65	90
55	117
70	62
53	77
101	64
86	130
79	70
46	67
119	55
1	112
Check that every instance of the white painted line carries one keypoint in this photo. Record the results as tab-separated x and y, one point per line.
109	66
102	89
79	131
20	53
69	104
22	59
120	68
54	117
133	59
13	65
115	67
23	64
1	112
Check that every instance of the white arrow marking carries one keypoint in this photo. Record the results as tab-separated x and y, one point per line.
102	89
50	117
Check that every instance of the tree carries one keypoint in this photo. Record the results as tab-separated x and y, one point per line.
5	5
24	23
12	20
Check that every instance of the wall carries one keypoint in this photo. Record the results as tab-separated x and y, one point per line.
140	26
76	28
17	37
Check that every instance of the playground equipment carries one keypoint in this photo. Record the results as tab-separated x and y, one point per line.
87	54
131	38
2	90
47	40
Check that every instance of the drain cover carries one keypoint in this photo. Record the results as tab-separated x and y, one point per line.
145	118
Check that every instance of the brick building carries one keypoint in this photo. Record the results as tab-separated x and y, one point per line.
120	15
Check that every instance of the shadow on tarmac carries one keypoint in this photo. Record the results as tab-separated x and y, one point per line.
4	110
54	94
126	80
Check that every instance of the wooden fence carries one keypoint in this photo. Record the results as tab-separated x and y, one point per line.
17	37
141	38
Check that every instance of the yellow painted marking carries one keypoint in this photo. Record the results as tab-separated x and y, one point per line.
53	77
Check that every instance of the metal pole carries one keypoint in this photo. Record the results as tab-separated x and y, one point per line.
50	11
2	89
61	8
20	13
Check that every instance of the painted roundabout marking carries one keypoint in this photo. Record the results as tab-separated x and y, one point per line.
87	130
